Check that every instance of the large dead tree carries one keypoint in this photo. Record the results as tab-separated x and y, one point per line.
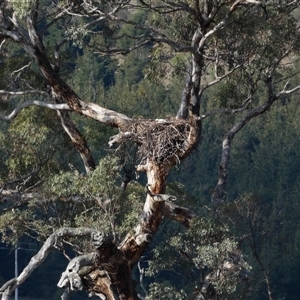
162	144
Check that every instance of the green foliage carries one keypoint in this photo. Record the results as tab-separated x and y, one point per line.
127	31
150	100
22	7
264	165
183	24
231	92
11	226
192	255
71	199
30	144
76	34
166	291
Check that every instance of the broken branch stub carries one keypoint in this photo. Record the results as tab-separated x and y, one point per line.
71	276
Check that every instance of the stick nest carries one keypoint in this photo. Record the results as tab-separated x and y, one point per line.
160	140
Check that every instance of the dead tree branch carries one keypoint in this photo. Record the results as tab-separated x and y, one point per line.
7	289
15	112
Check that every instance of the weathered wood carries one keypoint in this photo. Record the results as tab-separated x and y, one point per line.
8	288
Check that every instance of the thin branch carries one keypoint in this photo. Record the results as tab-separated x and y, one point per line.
230	111
22	179
15	112
15	199
21	69
217	79
142	274
21	93
2	43
115	51
288	92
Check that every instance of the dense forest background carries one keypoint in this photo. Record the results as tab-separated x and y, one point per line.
262	209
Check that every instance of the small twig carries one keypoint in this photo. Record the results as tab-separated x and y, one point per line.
2	43
21	69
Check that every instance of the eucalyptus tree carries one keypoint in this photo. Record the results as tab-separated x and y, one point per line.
247	45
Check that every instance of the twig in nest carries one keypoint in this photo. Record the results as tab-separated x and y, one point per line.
160	141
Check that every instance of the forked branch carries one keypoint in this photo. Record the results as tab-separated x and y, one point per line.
219	194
